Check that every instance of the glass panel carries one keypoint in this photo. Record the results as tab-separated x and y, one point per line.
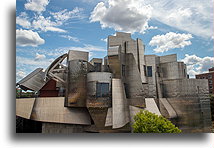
102	90
149	71
123	70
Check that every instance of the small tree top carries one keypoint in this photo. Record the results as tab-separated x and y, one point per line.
147	122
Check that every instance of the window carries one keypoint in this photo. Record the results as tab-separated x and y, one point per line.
123	70
97	67
210	82
102	90
149	71
126	90
210	76
158	71
144	66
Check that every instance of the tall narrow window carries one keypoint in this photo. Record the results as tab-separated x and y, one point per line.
144	66
123	70
149	71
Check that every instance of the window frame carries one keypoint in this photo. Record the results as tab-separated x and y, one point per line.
100	90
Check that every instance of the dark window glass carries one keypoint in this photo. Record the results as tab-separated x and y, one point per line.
149	71
144	66
123	70
97	67
126	90
102	90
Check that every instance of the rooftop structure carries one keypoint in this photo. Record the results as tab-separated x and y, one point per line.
103	95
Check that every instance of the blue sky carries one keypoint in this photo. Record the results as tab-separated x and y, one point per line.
45	29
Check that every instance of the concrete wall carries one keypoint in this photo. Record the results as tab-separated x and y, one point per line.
57	128
184	88
168	58
173	70
151	61
134	87
189	98
141	58
113	50
51	109
77	55
120	110
128	45
24	107
96	60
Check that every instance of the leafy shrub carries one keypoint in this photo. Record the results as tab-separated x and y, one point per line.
147	122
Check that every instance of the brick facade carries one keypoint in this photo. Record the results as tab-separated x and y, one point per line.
210	77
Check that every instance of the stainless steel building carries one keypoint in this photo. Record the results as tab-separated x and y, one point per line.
103	96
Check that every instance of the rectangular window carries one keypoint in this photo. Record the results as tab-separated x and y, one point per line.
126	90
149	71
144	66
97	67
102	90
123	70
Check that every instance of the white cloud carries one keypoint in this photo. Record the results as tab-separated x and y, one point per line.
36	5
152	27
20	74
170	41
123	15
62	50
70	38
197	65
45	24
39	56
104	40
65	15
51	23
194	16
28	38
31	63
22	20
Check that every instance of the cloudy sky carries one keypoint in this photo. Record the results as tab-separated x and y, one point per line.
45	29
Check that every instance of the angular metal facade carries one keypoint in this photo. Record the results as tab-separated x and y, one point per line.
99	96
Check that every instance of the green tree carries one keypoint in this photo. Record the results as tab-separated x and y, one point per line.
147	122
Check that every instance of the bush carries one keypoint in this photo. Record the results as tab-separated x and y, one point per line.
147	122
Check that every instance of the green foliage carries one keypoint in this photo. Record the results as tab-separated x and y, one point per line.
23	94
147	122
